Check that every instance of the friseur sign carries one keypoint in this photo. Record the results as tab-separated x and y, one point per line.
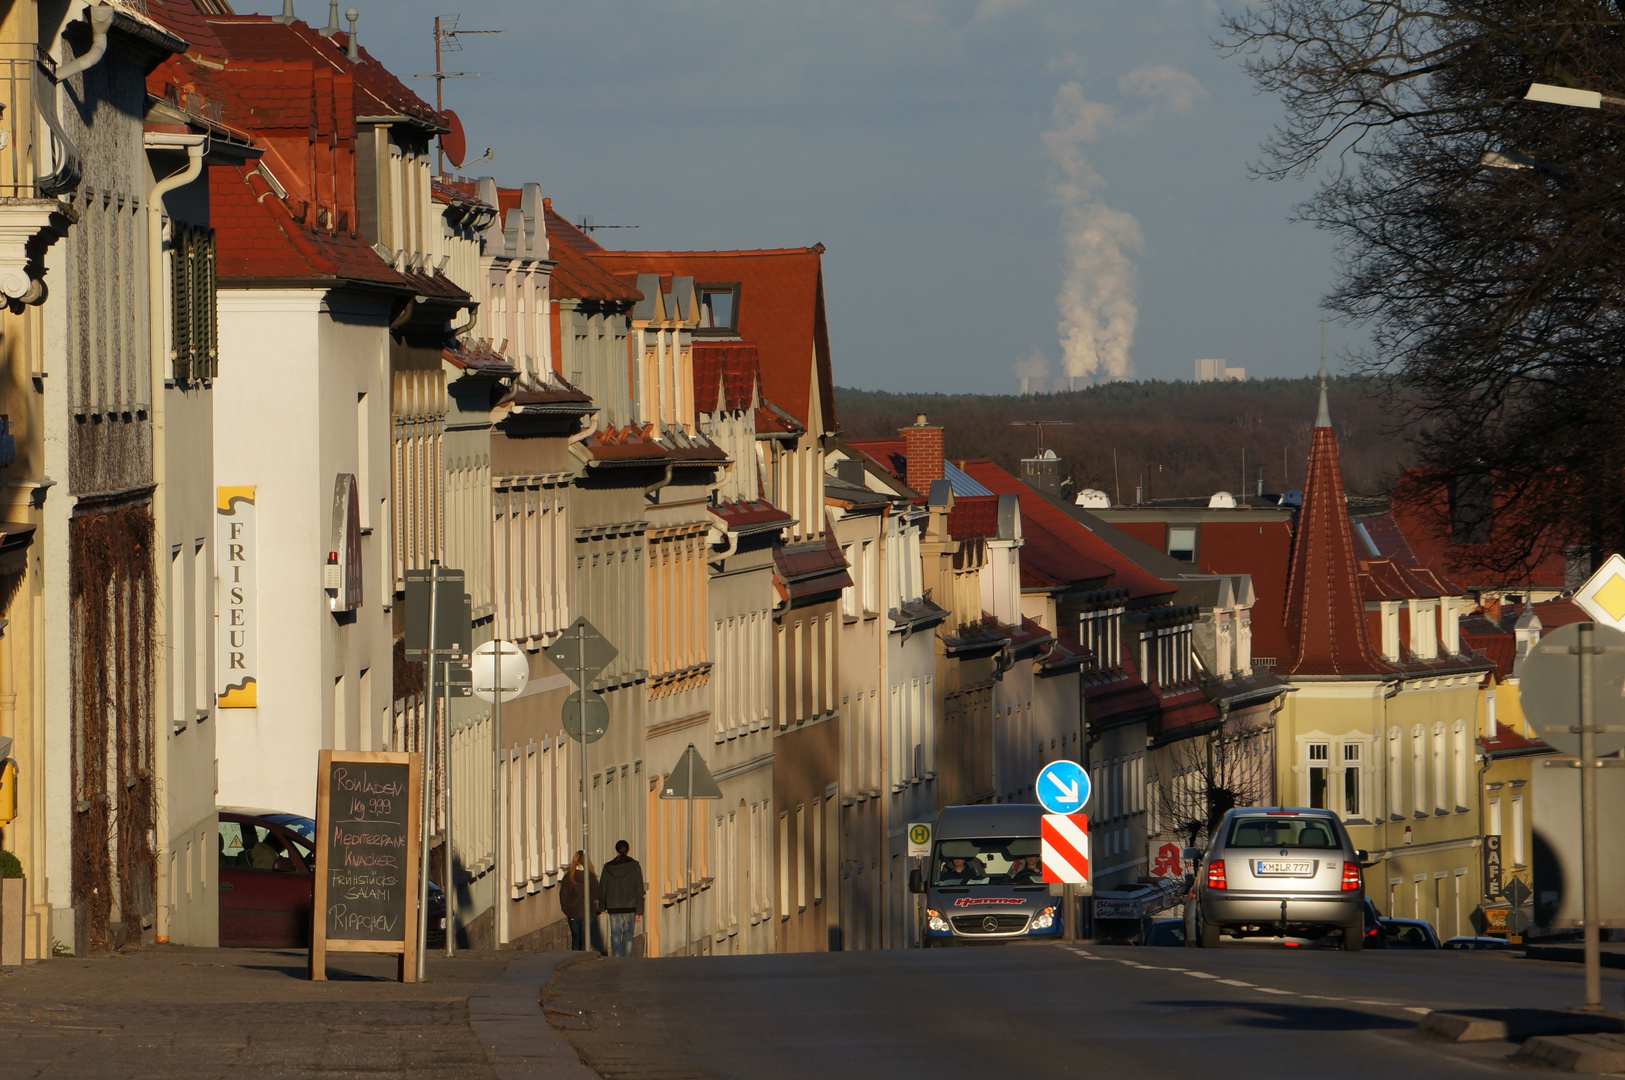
235	550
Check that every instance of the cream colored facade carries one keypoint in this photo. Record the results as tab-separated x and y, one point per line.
1398	760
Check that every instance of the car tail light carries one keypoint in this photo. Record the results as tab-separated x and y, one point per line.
1351	877
1215	874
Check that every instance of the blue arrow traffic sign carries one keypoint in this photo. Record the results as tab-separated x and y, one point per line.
1063	787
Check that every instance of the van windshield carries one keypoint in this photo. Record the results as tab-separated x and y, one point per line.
989	861
1283	832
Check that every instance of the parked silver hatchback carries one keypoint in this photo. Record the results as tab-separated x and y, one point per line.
1278	872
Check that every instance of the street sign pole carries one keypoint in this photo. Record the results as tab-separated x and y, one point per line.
499	898
1588	820
688	873
428	773
450	883
586	823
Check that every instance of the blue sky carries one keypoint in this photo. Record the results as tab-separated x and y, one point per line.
999	184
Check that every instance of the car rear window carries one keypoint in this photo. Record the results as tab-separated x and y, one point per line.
1261	831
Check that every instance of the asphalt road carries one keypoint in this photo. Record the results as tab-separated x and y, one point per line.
1051	1011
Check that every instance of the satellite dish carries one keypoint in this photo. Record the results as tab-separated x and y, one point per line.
1093	499
454	144
1222	500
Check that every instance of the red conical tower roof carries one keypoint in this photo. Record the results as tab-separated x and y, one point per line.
1325	613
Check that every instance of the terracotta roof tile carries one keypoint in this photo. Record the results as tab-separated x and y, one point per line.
725	375
1061	548
781	309
976	515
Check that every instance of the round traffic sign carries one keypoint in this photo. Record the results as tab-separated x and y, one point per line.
1063	787
919	834
514	675
1550	687
586	711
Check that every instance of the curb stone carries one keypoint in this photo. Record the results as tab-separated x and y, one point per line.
1577	1053
1517	1025
507	1018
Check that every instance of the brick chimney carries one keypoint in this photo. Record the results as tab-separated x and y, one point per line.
924	444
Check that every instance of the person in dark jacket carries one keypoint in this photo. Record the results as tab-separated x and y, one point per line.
623	898
570	900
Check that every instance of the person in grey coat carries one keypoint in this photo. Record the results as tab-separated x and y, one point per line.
623	898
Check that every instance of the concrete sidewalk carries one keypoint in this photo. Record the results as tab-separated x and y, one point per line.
183	1012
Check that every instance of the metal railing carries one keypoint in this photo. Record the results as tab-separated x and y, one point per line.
36	158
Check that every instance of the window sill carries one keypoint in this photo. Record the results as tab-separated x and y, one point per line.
848	620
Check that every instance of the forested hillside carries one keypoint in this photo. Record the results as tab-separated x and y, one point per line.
1176	438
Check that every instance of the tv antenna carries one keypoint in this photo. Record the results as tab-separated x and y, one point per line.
587	225
446	33
1041	425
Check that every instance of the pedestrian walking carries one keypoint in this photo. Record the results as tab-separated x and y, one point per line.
623	898
571	898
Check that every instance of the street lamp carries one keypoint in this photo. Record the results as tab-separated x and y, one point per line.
1565	95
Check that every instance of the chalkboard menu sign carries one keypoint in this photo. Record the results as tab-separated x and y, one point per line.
368	808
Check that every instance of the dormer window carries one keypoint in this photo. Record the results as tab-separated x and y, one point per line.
1182	542
719	309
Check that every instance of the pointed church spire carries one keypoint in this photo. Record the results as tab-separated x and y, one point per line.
1324	418
1325	610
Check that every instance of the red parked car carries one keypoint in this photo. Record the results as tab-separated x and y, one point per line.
266	885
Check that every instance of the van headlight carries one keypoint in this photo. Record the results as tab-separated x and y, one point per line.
935	920
1043	920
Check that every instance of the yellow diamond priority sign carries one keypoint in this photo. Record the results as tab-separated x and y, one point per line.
1603	595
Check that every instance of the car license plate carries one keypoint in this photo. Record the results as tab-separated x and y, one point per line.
1283	867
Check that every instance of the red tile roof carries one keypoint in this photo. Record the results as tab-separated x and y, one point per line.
1506	739
781	309
809	569
379	92
1554	613
1059	547
974	516
477	355
579	273
725	374
259	241
751	516
1325	608
1499	648
630	444
1262	550
1422	508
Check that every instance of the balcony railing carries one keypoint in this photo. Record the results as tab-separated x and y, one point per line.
36	158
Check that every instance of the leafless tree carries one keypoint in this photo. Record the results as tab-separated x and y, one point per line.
1197	780
1494	295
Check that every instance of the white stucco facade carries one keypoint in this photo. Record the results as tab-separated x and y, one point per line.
303	396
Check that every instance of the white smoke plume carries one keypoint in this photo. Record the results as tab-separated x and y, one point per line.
1097	299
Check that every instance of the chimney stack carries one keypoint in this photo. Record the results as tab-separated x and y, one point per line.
923	443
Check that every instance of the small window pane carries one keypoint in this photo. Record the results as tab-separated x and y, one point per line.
1182	543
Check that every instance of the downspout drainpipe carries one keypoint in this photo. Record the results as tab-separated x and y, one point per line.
158	358
1387	815
101	21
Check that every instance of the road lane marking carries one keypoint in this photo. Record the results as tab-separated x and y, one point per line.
1418	1009
1272	990
1200	975
1234	982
